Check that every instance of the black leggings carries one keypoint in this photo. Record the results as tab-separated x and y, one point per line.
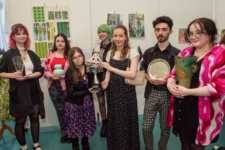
75	141
34	125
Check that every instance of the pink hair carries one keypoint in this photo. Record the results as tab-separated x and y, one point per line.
15	29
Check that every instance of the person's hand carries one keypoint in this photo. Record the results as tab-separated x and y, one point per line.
23	78
183	90
88	69
16	75
160	82
55	77
106	65
91	91
104	84
61	77
155	81
173	88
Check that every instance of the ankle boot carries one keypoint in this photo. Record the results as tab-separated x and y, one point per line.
75	147
75	144
85	146
104	128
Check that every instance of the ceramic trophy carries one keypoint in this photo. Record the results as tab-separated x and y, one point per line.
94	64
58	70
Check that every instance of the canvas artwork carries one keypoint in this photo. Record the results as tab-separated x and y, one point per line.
63	27
64	14
48	22
41	49
181	36
51	15
50	31
44	31
114	19
36	31
38	14
58	15
222	32
136	25
50	46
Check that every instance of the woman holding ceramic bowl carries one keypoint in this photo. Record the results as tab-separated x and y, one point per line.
56	82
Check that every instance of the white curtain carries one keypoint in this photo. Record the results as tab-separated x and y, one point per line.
4	35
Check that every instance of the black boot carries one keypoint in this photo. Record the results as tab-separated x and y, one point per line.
75	144
85	143
86	146
104	128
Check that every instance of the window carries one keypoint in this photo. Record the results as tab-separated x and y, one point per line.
4	35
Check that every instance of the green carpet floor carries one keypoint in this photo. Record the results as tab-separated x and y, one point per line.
50	136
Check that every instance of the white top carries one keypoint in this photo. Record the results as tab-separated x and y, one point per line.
133	53
28	66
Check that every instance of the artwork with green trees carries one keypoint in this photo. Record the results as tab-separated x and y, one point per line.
114	19
51	15
65	15
136	25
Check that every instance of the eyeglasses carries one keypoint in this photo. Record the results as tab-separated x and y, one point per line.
196	34
78	57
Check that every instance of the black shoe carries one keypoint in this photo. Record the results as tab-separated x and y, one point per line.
68	140
77	147
34	148
86	146
63	139
104	128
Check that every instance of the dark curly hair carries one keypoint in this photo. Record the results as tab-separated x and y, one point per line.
163	19
206	25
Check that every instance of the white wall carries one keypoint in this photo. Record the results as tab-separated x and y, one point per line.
87	15
219	15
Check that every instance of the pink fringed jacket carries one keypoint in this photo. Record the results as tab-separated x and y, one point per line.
48	70
211	109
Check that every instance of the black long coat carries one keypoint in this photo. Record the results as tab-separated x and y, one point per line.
20	104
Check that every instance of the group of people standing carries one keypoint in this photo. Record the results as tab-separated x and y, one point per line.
196	114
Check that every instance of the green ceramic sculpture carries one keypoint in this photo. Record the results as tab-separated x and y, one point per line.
184	68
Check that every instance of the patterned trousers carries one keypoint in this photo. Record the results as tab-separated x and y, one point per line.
158	101
58	97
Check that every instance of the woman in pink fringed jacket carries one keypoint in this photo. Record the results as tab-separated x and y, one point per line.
197	113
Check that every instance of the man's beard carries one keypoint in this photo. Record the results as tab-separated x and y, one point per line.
163	39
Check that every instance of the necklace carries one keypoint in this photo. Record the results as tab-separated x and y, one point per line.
24	55
202	55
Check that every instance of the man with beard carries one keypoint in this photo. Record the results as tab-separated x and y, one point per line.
156	93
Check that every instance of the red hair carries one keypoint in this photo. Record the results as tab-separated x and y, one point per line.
15	29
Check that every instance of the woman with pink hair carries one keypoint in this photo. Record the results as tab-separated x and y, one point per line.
26	97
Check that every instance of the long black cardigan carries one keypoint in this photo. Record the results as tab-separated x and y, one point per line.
20	104
76	93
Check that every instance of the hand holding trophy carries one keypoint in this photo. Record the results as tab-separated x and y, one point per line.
94	64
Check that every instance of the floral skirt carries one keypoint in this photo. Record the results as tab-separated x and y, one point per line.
80	119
